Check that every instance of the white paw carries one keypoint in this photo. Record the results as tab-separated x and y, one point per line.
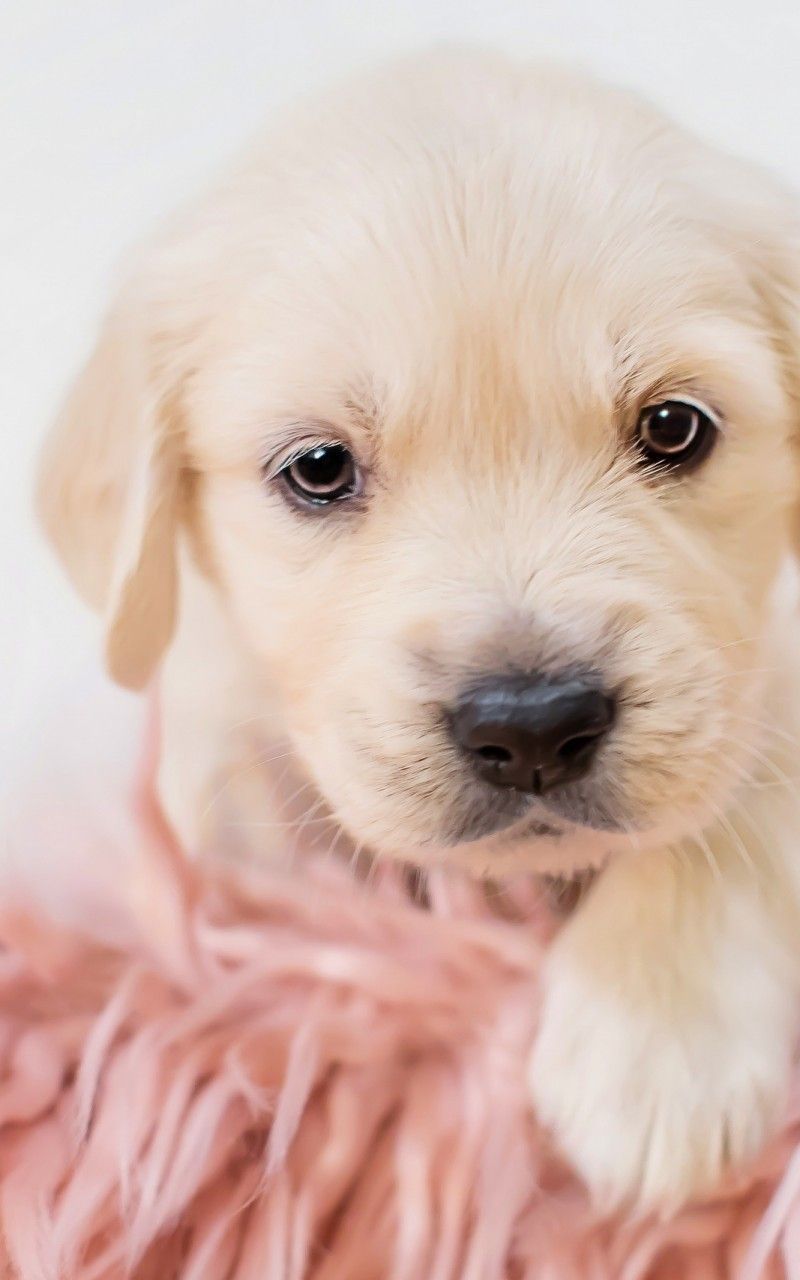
651	1103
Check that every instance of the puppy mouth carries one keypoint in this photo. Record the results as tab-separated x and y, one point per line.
479	812
500	821
505	827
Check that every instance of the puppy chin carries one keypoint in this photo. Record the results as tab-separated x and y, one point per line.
536	845
538	848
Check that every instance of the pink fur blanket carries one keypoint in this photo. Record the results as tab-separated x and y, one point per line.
285	1076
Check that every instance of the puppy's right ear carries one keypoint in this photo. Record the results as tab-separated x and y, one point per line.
108	495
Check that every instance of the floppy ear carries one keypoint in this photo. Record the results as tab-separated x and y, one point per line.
107	495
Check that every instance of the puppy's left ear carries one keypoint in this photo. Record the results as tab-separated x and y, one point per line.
108	494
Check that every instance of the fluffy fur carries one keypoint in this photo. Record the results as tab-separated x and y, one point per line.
476	273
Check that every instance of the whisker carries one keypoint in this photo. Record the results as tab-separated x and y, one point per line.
352	863
704	847
260	761
777	773
738	841
765	727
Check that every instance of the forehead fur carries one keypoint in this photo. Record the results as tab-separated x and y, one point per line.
460	235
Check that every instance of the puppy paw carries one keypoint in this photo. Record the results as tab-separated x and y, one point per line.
652	1102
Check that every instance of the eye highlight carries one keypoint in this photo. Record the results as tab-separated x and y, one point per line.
676	433
321	475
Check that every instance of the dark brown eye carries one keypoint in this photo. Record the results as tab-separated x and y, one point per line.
327	473
675	433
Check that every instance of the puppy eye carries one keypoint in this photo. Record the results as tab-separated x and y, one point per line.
675	433
321	475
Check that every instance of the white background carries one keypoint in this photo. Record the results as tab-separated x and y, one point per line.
112	111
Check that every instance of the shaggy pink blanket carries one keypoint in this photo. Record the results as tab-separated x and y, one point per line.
287	1076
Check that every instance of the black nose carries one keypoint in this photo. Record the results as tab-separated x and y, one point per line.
532	733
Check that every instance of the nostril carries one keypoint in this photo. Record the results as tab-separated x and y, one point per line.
497	755
578	746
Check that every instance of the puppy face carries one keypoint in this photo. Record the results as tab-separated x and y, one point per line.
485	419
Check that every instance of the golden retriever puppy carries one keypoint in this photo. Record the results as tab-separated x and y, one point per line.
461	418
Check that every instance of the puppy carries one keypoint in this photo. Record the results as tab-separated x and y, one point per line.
461	419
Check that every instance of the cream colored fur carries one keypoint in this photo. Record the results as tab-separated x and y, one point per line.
474	272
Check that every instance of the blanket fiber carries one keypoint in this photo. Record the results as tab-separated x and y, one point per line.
299	1075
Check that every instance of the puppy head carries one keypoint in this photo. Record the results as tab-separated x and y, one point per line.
475	390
